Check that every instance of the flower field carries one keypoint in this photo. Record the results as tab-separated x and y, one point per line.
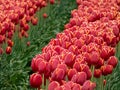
60	44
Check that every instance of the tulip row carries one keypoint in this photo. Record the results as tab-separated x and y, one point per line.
14	13
83	51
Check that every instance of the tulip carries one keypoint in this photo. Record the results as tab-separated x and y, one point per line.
94	58
106	69
88	85
28	43
76	87
53	85
8	50
1	51
10	43
97	73
58	74
79	78
52	1
112	61
71	73
41	67
34	21
69	59
35	80
45	15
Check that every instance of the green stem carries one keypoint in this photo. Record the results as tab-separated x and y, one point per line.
44	81
92	69
101	80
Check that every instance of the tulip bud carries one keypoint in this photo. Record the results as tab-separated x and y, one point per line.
1	51
97	73
52	1
45	15
34	21
10	43
104	82
8	50
26	27
28	43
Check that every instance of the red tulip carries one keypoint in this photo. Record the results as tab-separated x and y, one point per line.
79	43
48	70
73	49
8	50
63	66
59	88
66	86
52	1
35	62
79	78
53	85
69	59
116	30
31	12
100	63
77	66
2	39
94	58
76	87
70	83
113	61
42	67
45	15
71	73
97	73
28	43
1	51
58	74
88	85
86	69
78	2
104	82
26	27
106	69
104	53
35	80
10	43
34	21
54	62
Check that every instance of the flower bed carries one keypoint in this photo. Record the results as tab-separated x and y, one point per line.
83	52
16	15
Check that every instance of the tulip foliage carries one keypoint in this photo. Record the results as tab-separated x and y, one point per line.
15	15
84	51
